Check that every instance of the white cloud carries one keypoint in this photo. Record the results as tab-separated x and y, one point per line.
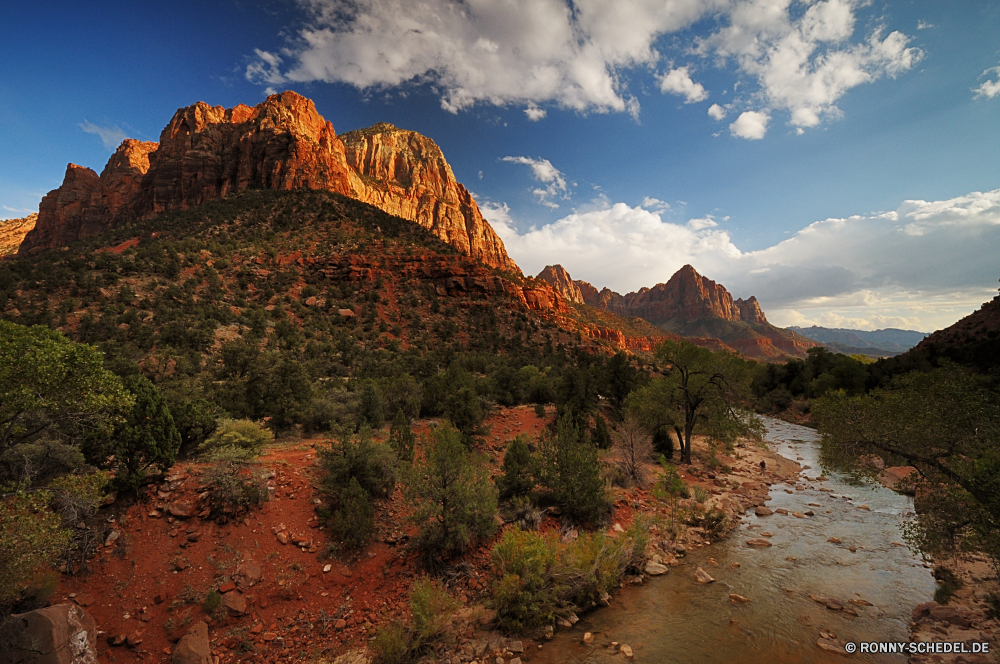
111	136
578	54
924	25
989	88
679	82
716	112
543	171
805	65
921	266
654	204
751	125
535	113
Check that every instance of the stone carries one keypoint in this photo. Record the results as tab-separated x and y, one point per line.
84	600
655	569
282	537
701	576
269	636
617	528
588	637
832	645
117	639
737	599
625	650
759	541
860	602
226	587
112	538
950	615
833	540
235	602
60	634
515	647
781	510
248	574
760	510
181	509
134	639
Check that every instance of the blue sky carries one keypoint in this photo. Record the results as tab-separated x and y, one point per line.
838	159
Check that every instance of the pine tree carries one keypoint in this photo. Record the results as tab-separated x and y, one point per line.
519	470
354	520
573	473
370	410
602	437
401	437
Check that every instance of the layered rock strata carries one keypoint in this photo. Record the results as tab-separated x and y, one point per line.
209	152
12	232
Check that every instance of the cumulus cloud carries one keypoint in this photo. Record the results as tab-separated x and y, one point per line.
111	136
751	125
579	54
805	65
654	204
716	112
989	88
543	171
679	82
921	266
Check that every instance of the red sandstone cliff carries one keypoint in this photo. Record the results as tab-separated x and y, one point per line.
208	152
406	175
557	277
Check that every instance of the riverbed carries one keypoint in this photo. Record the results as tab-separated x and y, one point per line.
674	619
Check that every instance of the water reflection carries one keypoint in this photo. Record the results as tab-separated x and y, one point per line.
673	619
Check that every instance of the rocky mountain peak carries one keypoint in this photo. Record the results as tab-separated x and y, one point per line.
209	152
750	310
557	277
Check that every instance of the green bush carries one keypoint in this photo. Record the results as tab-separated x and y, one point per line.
238	434
571	470
454	500
354	519
539	577
370	409
31	537
235	485
77	497
602	437
401	437
431	608
373	465
519	470
146	438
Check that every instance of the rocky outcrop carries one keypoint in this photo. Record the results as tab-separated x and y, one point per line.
209	152
557	277
61	634
406	175
750	311
12	232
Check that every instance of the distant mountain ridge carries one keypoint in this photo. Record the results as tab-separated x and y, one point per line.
692	306
889	339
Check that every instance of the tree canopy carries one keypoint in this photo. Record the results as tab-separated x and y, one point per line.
700	392
51	391
944	423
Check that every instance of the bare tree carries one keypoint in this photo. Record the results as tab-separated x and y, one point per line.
633	447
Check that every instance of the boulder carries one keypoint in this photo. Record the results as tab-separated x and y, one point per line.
950	615
760	510
193	648
234	602
701	576
61	634
248	574
760	541
181	509
656	569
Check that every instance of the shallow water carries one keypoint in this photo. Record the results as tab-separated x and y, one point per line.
673	619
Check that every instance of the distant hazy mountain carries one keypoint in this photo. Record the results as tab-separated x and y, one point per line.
889	339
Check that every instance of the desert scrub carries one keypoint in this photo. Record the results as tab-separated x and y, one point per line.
31	537
77	497
235	484
354	519
540	577
239	434
431	607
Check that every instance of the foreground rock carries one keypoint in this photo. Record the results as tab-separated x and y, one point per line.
701	576
61	634
194	647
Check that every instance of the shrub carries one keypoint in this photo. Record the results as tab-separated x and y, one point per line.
700	494
454	501
372	465
602	437
31	537
77	497
370	409
235	485
633	448
431	608
401	437
146	438
238	434
354	520
570	469
519	470
539	577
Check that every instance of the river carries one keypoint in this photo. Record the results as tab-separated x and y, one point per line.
673	619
